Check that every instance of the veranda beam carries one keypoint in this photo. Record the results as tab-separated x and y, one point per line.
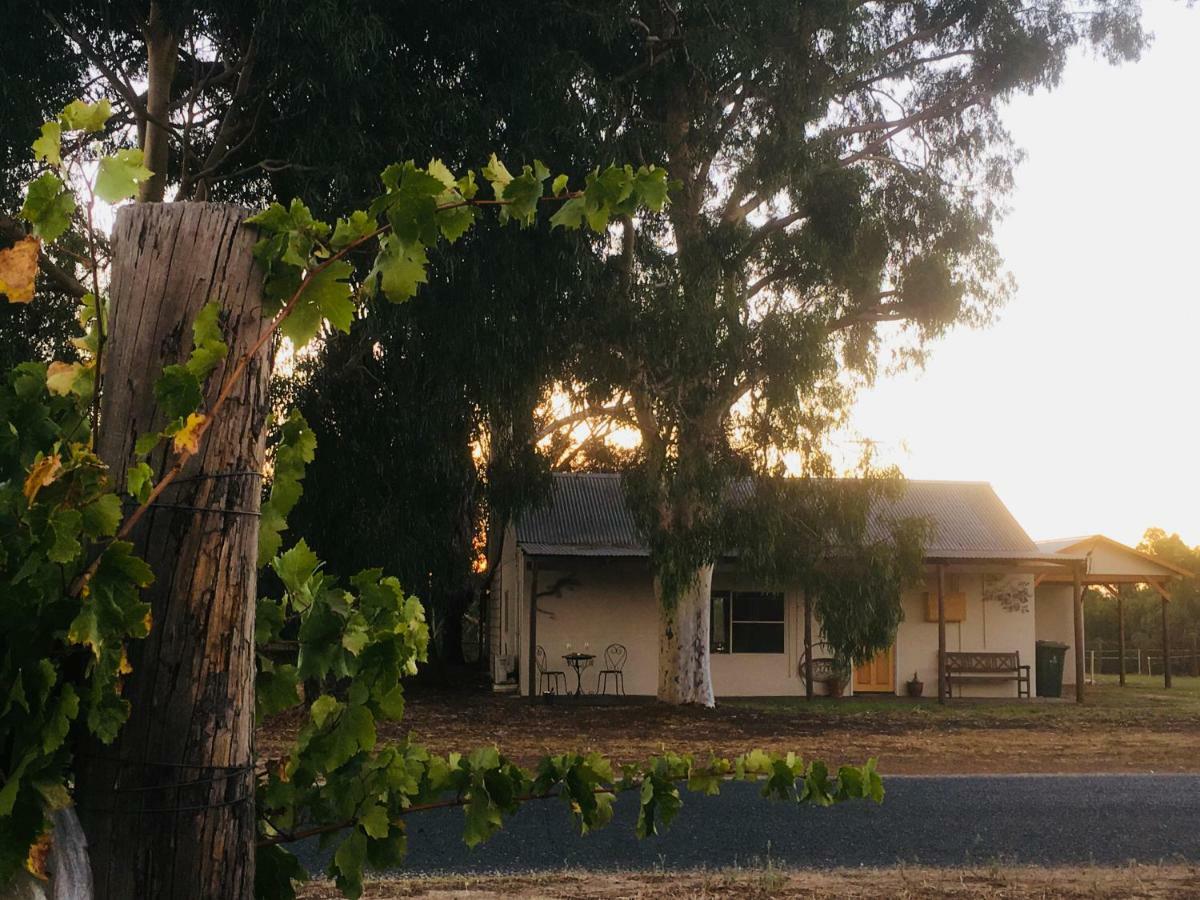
808	665
533	595
1077	610
941	601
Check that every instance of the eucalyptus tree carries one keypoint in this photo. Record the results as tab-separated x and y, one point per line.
257	102
840	169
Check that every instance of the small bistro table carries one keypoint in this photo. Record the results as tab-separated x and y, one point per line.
579	662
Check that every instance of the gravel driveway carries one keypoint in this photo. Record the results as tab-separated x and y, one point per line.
929	820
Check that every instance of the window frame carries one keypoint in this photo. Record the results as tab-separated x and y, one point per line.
728	597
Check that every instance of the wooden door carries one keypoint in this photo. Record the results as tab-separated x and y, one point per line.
876	676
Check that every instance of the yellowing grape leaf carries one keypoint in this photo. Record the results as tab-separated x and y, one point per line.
187	438
39	855
18	268
41	473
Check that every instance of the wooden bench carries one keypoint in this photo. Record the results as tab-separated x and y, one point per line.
986	666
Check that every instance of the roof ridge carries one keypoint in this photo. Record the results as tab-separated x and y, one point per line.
952	481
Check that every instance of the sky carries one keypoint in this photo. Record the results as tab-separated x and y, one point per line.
1080	404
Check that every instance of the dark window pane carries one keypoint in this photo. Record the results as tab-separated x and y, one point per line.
719	623
757	637
757	607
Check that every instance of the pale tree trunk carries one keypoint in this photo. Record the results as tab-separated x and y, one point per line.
684	672
168	809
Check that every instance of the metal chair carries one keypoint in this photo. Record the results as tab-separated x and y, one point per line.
614	665
549	677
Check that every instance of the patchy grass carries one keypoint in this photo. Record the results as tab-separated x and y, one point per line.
904	883
1143	701
1140	728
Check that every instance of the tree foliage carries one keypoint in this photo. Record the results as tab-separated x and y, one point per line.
841	167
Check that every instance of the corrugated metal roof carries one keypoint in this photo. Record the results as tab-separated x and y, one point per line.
587	516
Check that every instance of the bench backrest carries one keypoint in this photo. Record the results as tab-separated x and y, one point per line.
983	661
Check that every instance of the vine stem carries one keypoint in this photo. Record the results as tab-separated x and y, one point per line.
94	266
289	837
235	374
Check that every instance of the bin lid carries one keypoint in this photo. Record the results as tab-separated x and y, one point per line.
1055	644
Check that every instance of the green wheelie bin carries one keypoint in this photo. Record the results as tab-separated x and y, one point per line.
1051	656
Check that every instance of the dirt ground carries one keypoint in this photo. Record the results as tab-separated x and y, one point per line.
1140	728
903	883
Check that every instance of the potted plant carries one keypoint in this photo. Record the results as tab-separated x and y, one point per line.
839	677
915	686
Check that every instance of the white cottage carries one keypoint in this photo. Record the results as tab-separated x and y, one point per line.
574	577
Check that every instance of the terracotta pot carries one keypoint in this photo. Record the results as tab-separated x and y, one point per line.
915	688
835	686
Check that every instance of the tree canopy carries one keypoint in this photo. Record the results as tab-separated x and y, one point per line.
840	170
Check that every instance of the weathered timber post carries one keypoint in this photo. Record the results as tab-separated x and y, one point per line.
1121	631
943	687
168	809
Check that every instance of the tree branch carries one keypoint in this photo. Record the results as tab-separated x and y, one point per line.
591	412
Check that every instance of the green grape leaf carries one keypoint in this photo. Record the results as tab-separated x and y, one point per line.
374	821
559	185
102	516
438	170
569	215
208	350
66	524
145	444
296	448
178	392
360	225
326	296
59	724
347	864
85	629
455	221
296	567
650	187
467	186
48	206
269	618
331	291
400	268
118	176
139	479
86	117
106	714
498	175
275	691
275	871
48	147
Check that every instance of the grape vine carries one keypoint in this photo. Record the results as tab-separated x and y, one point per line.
72	584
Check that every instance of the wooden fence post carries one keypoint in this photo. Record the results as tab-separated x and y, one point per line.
1166	646
1121	632
168	809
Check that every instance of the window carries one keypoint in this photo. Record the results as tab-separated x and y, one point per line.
746	622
